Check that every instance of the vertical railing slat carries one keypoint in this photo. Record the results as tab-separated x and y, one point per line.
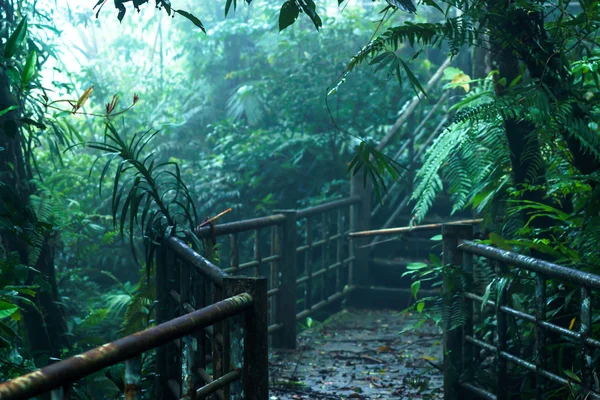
235	252
226	362
133	378
362	223
188	356
274	273
200	301
167	356
257	252
308	260
286	306
162	294
324	254
585	330
468	305
453	336
352	227
217	341
502	335
338	252
540	334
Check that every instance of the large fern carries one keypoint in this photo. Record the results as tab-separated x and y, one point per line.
469	151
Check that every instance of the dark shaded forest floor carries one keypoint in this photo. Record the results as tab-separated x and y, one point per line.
360	354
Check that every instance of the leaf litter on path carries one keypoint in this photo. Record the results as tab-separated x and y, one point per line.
360	354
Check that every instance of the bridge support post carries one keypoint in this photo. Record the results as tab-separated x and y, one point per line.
360	220
167	357
255	370
286	297
453	341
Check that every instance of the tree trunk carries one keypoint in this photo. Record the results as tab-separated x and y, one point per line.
527	161
46	330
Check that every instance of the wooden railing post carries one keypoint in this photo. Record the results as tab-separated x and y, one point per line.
286	298
164	311
360	221
453	338
255	375
188	343
133	378
168	368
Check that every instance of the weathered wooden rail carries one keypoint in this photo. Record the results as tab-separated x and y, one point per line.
244	296
462	346
214	323
307	263
304	254
277	247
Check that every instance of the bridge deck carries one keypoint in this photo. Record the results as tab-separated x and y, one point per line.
360	354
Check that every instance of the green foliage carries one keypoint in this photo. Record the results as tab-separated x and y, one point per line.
472	152
151	193
374	165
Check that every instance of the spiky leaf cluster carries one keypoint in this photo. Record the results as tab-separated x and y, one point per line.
146	194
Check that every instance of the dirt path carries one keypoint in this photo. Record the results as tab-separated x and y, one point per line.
360	354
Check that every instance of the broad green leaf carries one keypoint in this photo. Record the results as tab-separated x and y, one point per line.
416	265
288	14
499	242
309	322
414	288
572	375
7	110
7	309
29	69
26	290
487	293
420	307
16	38
309	7
192	18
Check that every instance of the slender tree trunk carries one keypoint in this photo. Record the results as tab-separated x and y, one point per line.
526	157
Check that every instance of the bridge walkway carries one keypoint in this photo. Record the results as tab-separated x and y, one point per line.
359	354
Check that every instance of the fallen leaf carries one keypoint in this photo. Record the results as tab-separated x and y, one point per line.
384	349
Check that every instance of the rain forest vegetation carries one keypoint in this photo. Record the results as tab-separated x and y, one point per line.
255	110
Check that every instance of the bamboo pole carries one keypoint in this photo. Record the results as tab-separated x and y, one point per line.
393	231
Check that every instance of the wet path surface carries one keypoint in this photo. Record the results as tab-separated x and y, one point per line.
360	354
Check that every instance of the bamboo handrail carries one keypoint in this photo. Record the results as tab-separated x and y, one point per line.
393	231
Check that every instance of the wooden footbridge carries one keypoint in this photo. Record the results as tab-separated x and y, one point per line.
214	325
